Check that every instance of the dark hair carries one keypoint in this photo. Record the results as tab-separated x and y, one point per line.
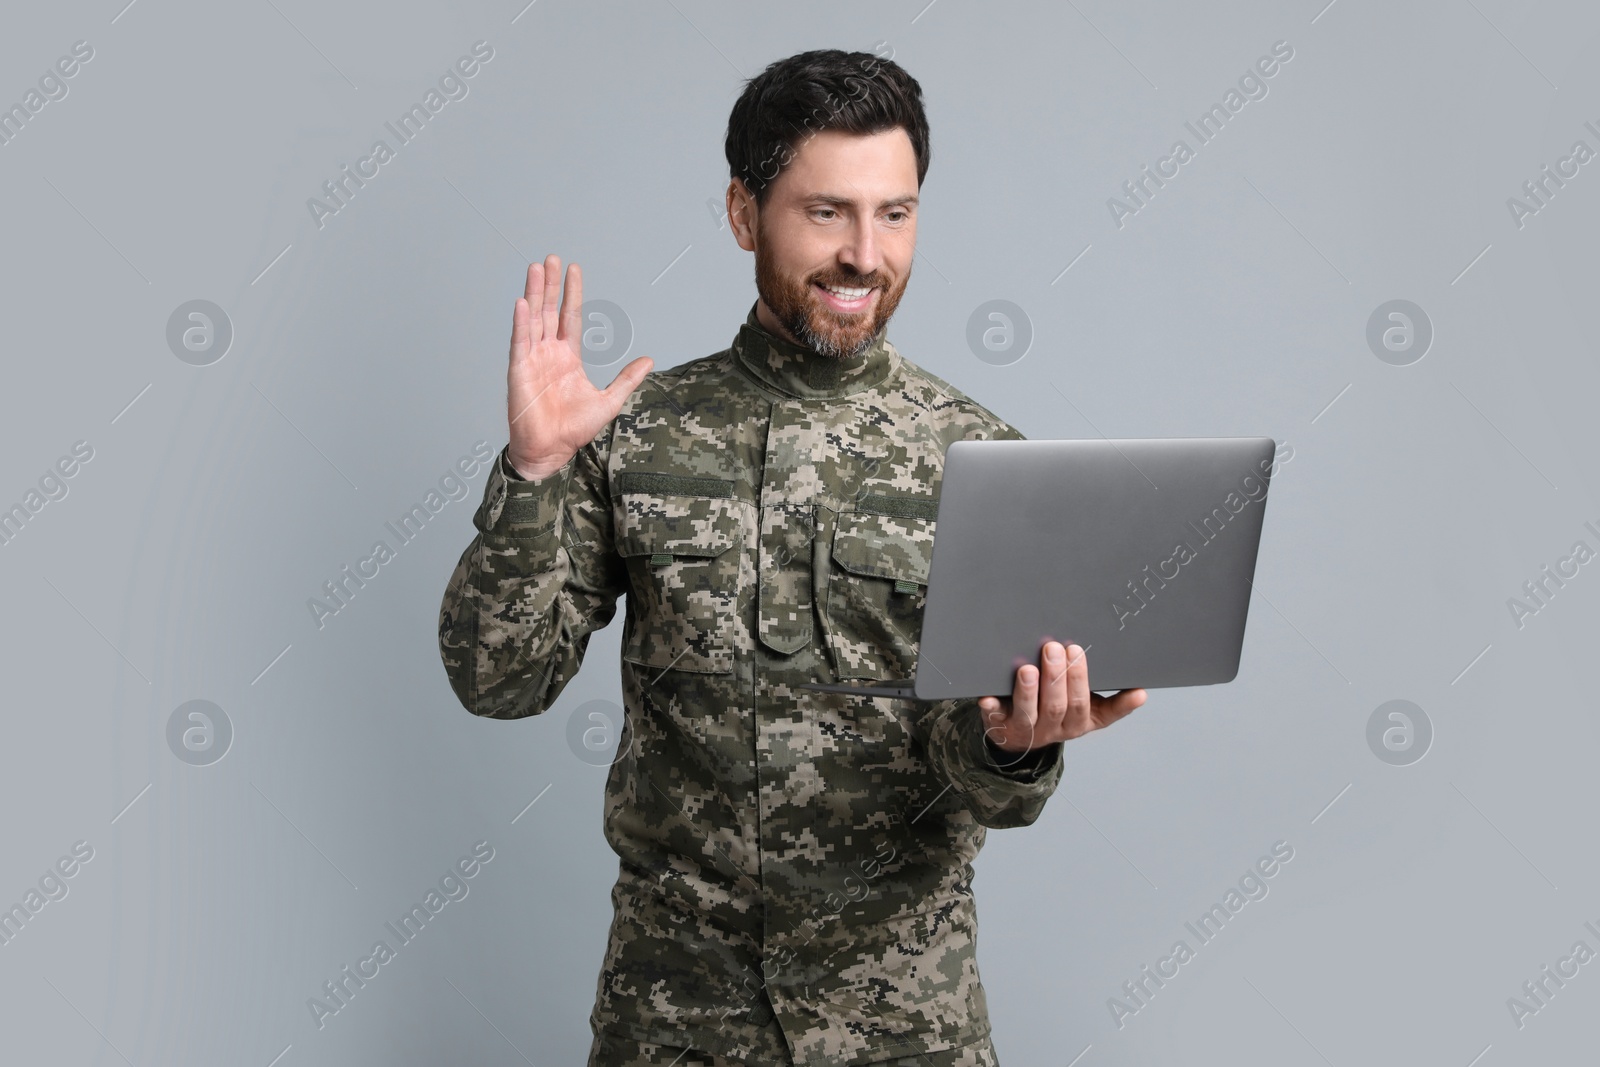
827	89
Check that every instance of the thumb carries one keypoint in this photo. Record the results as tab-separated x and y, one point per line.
627	380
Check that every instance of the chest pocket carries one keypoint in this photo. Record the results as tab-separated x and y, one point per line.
677	535
878	585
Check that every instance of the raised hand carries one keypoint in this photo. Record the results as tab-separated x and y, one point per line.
552	408
1052	702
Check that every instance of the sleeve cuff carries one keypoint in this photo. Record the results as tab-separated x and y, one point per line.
521	508
1026	766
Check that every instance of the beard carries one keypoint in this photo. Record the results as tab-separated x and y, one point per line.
796	304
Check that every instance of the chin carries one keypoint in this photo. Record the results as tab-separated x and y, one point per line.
835	349
841	330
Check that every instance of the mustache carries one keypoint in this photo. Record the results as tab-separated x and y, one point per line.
858	281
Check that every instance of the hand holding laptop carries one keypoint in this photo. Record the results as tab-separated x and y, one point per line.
1052	702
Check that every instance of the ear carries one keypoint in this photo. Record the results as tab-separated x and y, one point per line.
742	214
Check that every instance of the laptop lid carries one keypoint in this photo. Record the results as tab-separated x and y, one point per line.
1142	551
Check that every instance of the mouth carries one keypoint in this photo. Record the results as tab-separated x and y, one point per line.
846	298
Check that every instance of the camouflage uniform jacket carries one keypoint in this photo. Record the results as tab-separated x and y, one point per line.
795	866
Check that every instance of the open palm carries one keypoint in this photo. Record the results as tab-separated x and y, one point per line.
551	406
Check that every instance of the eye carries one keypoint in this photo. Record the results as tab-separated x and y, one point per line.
899	215
816	212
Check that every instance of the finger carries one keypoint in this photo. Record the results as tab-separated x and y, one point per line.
1109	709
534	295
1053	702
519	329
549	311
1019	723
994	713
572	306
627	380
1004	731
1079	717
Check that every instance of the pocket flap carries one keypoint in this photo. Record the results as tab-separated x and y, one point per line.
895	547
661	523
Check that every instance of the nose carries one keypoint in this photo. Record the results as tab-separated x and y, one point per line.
861	252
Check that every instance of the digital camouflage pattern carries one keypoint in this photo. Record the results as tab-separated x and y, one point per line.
795	881
612	1051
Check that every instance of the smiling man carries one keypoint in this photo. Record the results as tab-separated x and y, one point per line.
795	877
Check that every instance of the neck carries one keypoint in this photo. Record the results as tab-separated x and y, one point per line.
770	323
799	371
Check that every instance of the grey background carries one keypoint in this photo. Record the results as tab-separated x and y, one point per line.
368	356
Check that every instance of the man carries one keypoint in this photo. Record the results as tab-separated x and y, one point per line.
795	883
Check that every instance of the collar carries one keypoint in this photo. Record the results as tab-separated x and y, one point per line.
800	371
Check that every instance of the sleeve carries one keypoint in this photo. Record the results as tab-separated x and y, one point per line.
1002	789
540	576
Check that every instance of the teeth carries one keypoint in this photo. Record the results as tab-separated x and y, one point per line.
847	294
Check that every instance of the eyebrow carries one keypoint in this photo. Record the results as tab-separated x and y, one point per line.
845	201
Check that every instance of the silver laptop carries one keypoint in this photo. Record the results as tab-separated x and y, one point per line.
1142	551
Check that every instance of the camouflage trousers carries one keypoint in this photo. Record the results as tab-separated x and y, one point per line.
610	1050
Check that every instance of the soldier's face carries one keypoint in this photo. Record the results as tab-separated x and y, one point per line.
841	218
